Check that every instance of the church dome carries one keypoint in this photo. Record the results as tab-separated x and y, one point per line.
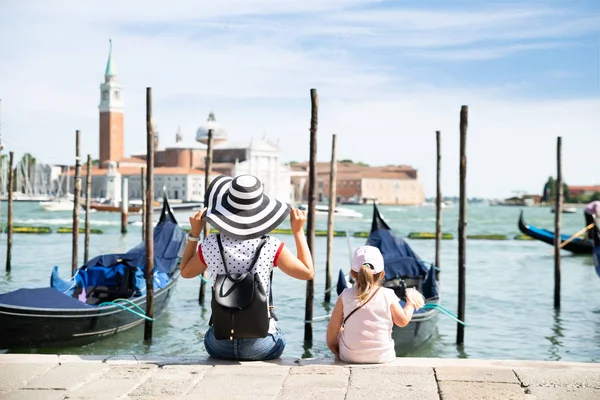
219	133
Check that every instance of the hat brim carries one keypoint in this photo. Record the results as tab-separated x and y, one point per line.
235	221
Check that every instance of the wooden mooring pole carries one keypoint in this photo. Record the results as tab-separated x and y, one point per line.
310	220
330	219
462	225
149	209
124	204
76	202
143	194
438	202
88	195
9	221
557	222
207	171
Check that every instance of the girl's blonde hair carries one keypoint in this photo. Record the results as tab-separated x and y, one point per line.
365	281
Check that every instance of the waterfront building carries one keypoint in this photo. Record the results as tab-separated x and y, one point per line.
358	183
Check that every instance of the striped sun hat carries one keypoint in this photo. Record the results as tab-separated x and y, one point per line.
238	207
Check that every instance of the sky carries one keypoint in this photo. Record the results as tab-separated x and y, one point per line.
388	75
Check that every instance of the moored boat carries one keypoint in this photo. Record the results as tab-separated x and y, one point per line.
565	210
404	269
577	245
107	295
57	205
323	210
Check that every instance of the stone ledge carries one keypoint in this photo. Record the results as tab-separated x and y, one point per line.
288	362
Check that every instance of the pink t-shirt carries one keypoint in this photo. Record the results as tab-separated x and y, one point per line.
367	335
593	208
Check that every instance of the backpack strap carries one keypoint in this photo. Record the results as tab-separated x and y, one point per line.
254	260
271	306
361	306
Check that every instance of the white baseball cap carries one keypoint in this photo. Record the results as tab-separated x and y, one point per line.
367	255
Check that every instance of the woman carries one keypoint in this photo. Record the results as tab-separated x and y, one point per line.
244	215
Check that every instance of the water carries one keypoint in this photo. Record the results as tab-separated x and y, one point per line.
509	291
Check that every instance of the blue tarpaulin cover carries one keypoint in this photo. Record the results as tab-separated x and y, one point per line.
41	298
400	260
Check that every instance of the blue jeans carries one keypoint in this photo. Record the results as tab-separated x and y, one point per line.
267	348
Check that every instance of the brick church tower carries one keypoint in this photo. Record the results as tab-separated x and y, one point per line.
112	146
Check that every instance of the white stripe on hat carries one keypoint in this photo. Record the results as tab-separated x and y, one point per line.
246	195
250	230
252	206
244	220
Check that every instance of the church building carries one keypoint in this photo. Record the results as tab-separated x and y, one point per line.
179	166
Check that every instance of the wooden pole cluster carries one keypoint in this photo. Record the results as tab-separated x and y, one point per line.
149	209
330	216
9	222
438	202
143	191
88	195
124	204
310	221
207	171
462	225
76	202
557	222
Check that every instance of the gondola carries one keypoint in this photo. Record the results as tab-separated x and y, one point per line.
577	246
403	269
105	296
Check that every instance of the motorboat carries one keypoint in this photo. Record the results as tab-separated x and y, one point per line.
343	212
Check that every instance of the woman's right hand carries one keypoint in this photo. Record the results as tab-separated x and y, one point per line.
197	222
297	220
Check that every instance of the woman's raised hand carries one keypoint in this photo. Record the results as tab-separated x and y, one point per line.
197	222
297	220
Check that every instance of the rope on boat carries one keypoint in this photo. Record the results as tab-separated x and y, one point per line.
444	311
318	319
140	314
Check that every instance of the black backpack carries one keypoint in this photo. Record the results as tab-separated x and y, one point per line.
239	303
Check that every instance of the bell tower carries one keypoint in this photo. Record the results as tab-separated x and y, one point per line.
112	146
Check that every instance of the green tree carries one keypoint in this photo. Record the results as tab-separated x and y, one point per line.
550	191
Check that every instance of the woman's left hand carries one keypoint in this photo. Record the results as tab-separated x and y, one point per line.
197	222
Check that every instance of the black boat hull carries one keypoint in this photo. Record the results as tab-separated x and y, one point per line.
577	246
39	328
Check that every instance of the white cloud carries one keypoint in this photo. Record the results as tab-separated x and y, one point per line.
256	74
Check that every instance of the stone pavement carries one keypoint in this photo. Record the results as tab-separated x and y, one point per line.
50	377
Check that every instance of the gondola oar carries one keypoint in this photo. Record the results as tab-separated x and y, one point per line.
575	235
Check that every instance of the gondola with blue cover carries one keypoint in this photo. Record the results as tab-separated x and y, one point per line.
403	269
105	296
576	246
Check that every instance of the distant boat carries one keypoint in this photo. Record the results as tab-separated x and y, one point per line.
577	245
565	210
339	211
58	205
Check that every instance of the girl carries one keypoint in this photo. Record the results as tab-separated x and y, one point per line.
244	215
360	328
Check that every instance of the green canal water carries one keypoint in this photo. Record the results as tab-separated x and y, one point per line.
510	284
